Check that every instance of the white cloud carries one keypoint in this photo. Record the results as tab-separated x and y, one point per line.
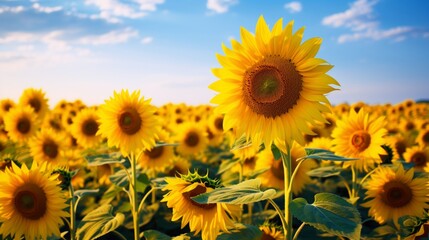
16	9
20	37
113	10
40	8
146	40
220	6
359	20
112	37
293	7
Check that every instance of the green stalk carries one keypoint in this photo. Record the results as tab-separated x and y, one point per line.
287	170
134	198
72	213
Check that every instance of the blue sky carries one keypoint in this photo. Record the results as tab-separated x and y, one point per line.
86	49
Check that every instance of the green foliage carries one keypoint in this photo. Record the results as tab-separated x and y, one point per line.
83	192
107	158
325	172
242	232
245	192
99	222
329	213
323	154
155	235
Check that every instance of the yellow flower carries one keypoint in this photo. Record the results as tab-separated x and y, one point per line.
158	158
394	192
31	203
210	219
192	139
20	123
272	233
5	105
48	146
418	155
359	135
270	85
84	128
423	137
128	122
35	98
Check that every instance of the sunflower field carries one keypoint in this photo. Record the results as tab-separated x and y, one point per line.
268	158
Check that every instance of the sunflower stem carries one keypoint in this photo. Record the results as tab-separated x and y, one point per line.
279	212
144	199
354	184
298	231
287	171
134	198
72	213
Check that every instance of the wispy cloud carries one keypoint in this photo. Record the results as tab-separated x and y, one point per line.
43	9
293	7
220	6
112	37
16	9
146	40
113	10
359	19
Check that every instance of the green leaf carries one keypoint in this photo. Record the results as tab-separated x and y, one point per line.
241	143
163	144
329	213
119	178
323	154
242	232
155	235
245	192
101	159
325	172
99	222
142	183
83	192
276	152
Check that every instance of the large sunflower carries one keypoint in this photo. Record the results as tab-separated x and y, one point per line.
210	219
36	99
31	203
270	85
359	135
84	128
48	146
128	122
395	192
20	123
274	177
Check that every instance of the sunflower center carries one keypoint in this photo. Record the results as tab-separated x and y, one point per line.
419	159
35	104
50	149
155	152
400	147
192	139
219	123
130	121
277	169
410	126
24	125
90	127
396	194
7	106
195	192
272	86
361	140
30	201
266	236
55	125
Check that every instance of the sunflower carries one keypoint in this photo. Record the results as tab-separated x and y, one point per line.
128	122
418	155
192	139
270	232
395	192
271	86
31	202
36	99
180	165
158	158
20	123
5	105
423	137
274	177
52	120
47	146
359	135
84	128
399	143
211	218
